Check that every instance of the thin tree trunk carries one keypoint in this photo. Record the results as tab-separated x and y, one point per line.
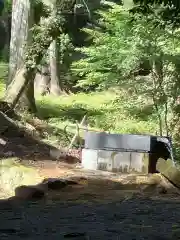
53	60
158	115
54	70
42	81
5	28
22	21
154	97
20	83
166	119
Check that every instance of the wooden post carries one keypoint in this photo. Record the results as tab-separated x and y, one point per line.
76	135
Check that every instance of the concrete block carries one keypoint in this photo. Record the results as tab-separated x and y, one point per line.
104	160
136	162
89	159
114	161
167	168
121	161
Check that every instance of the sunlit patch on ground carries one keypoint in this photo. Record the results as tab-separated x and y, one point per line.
14	174
91	186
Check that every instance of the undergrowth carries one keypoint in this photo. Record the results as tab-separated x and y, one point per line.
3	76
114	111
107	111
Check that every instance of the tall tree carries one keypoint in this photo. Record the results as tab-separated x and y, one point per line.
42	80
22	21
1	6
53	60
166	10
118	56
42	36
5	28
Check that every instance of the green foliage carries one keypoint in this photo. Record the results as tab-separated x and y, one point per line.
7	6
108	110
43	35
65	47
3	77
171	3
40	10
168	10
52	27
118	51
107	57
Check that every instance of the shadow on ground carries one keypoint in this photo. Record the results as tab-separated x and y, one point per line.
77	214
72	113
16	142
97	188
24	147
27	144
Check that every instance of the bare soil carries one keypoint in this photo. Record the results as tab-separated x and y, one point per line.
101	206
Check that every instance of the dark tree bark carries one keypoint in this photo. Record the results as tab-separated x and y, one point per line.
22	21
54	70
42	81
38	49
53	59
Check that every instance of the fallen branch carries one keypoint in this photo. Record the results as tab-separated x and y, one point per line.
88	129
77	132
6	122
81	126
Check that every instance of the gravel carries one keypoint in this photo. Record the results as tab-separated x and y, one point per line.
132	219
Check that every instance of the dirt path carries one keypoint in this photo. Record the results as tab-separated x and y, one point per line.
98	186
102	206
131	219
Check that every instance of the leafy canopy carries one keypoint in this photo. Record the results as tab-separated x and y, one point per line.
168	10
119	50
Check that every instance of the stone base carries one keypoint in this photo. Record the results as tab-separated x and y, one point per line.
171	172
125	162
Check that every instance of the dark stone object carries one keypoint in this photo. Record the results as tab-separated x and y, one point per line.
75	235
29	193
157	147
57	184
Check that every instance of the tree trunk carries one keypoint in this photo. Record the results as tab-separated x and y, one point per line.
18	86
5	28
22	21
38	49
42	81
54	70
53	60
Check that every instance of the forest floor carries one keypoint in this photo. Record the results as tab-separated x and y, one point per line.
112	111
101	205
